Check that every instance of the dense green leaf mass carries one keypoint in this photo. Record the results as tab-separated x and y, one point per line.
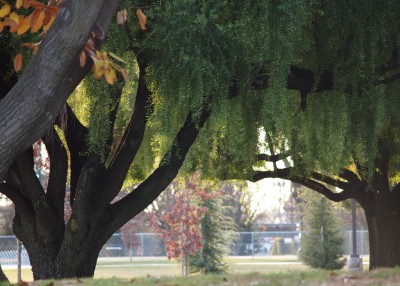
196	49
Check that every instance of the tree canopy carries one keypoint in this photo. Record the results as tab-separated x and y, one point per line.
330	69
310	81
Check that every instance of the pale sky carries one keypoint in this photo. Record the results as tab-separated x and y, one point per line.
268	192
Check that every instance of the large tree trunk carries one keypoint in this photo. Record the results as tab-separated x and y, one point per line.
382	211
58	252
76	258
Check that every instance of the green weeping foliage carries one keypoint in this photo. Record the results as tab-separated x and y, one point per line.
198	49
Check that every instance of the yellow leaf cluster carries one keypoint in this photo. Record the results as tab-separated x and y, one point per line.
104	66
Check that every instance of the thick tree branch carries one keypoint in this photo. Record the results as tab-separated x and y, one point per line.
300	79
30	181
58	171
329	180
348	191
130	141
350	176
271	158
32	105
75	135
323	190
156	183
278	173
19	200
88	185
115	93
390	79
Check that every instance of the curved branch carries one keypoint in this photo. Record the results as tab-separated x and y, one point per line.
75	135
271	158
350	176
390	79
155	184
130	141
58	171
30	181
300	79
347	192
278	173
330	181
323	190
115	93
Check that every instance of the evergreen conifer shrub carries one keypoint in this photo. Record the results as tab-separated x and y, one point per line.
322	244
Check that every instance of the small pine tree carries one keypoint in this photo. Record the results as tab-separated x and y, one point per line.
217	232
322	246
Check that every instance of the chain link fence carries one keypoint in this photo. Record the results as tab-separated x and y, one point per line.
247	244
9	251
150	244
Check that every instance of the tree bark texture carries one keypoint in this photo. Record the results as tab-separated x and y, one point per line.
382	211
33	103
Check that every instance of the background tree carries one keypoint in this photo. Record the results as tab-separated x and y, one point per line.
322	242
217	231
179	226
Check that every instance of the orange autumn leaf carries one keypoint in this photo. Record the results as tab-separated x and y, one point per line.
34	16
142	18
18	62
5	10
18	4
52	11
46	19
37	5
2	24
47	25
37	21
27	4
23	26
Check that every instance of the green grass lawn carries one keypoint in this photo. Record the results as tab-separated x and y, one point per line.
151	267
290	278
